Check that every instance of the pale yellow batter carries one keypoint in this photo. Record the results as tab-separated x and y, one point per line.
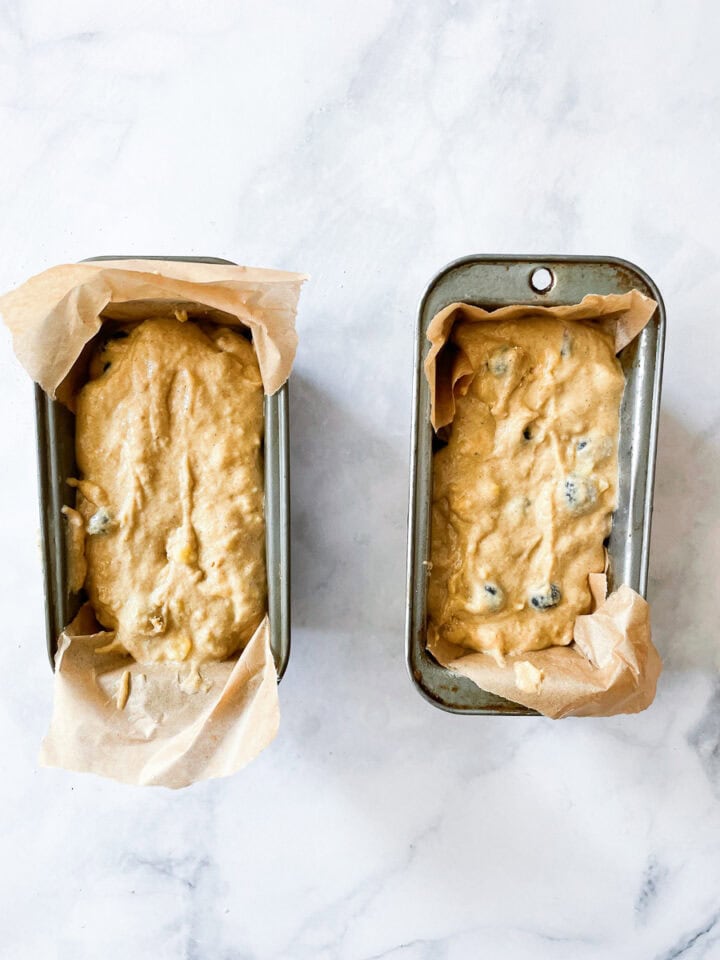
524	491
169	445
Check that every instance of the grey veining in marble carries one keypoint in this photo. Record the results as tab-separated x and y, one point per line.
368	144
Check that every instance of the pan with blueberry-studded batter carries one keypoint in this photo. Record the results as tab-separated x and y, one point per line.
524	489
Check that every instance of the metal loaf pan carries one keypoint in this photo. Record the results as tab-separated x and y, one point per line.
56	462
492	282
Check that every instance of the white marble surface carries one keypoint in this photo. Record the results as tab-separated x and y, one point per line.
369	143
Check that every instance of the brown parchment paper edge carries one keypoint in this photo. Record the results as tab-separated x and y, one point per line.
162	735
612	666
53	315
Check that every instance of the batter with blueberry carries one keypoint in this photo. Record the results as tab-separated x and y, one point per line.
525	488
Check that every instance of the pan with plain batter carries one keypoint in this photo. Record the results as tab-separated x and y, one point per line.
169	447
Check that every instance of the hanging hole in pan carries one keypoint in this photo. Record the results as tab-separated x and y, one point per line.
541	279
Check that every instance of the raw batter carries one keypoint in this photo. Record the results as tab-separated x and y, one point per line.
168	442
524	491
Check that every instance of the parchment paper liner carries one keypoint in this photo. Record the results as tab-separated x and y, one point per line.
612	665
163	735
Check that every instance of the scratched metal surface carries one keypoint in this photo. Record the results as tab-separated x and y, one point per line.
56	462
491	282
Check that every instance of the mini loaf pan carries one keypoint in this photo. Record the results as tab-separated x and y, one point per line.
56	462
492	282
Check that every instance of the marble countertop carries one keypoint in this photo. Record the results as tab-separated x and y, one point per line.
368	144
